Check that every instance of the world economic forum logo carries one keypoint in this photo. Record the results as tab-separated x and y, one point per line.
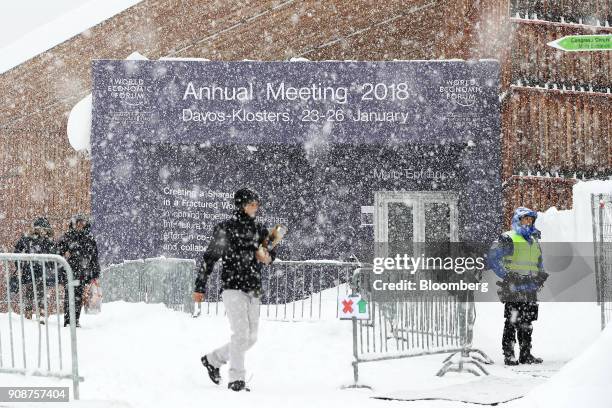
463	92
130	91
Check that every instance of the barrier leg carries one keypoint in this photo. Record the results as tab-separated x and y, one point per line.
480	356
466	362
463	364
355	361
447	359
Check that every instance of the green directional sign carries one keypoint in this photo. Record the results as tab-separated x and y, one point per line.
362	306
583	43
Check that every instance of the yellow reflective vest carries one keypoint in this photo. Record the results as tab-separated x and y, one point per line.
525	258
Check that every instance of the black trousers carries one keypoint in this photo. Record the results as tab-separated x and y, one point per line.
31	300
519	317
78	302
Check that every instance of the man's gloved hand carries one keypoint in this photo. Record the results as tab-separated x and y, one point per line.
263	256
540	278
512	277
504	291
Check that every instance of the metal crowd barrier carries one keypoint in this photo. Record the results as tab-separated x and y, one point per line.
33	286
153	280
601	211
297	290
291	290
423	324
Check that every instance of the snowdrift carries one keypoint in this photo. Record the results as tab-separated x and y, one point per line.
583	382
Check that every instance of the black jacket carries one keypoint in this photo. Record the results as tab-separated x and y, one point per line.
235	241
83	253
34	243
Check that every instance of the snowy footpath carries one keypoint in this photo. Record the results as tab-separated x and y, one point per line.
145	355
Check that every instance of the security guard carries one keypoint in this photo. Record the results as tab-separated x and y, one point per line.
517	259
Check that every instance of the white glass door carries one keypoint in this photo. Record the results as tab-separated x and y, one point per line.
405	218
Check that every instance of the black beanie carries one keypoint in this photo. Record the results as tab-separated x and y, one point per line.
244	196
41	222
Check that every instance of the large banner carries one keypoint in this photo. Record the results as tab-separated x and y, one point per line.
346	154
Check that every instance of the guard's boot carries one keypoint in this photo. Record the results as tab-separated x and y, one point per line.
510	360
213	372
528	358
238	385
508	350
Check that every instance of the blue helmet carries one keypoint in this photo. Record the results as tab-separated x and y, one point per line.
525	230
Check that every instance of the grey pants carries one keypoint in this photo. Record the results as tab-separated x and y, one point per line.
243	313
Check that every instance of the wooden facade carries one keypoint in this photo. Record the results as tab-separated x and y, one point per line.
560	132
536	192
535	63
583	11
37	156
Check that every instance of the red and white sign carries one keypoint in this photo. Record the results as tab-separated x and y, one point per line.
353	306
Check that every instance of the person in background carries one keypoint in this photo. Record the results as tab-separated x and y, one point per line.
517	259
238	243
79	248
37	241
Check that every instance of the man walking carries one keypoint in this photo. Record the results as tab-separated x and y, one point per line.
81	252
38	241
237	242
517	259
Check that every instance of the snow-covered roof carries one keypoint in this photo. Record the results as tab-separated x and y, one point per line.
59	30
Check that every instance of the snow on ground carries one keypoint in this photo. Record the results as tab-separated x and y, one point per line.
583	382
145	355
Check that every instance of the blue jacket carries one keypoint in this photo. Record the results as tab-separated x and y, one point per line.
504	247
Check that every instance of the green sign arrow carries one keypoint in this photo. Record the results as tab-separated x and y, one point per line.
583	43
362	305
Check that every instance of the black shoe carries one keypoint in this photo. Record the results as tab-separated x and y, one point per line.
510	361
213	372
529	359
66	323
78	324
238	386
